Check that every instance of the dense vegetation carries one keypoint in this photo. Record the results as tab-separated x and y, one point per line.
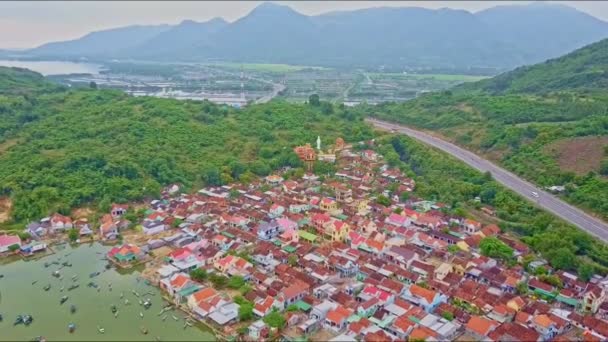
448	180
585	68
513	119
73	148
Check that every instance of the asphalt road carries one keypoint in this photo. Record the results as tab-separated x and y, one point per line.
544	200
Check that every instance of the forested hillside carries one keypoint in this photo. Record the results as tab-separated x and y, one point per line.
77	147
547	122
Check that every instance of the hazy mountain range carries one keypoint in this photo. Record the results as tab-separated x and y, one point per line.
502	37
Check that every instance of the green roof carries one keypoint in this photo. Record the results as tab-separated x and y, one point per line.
567	300
302	305
307	236
364	247
188	290
226	234
341	216
289	249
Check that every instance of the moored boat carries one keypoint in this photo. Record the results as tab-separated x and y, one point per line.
164	318
73	308
143	330
101	330
75	286
174	317
63	299
47	287
113	308
141	314
71	327
18	320
28	319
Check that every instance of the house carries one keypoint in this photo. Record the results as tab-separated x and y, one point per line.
471	226
336	319
398	220
179	286
293	293
126	253
202	295
544	326
328	204
479	327
268	230
593	298
264	306
108	230
32	248
336	230
427	299
6	241
118	210
225	314
151	227
60	223
258	330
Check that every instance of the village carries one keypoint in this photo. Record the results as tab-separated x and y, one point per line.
348	256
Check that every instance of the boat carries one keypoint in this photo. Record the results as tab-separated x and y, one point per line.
94	274
101	330
121	295
75	286
92	284
28	319
61	289
1	318
174	317
71	327
47	264
1	276
141	314
56	274
113	308
126	301
141	302
74	277
19	320
164	318
143	330
157	338
47	287
116	314
63	299
135	293
66	264
73	308
34	282
147	303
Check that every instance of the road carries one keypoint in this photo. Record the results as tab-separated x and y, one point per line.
276	89
544	200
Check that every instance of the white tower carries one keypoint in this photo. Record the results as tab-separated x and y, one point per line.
319	143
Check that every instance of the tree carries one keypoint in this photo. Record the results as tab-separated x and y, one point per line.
292	308
313	100
219	281
447	315
24	236
198	274
233	194
604	168
521	288
92	85
13	248
245	311
383	200
585	271
494	248
73	234
292	260
176	223
236	282
275	319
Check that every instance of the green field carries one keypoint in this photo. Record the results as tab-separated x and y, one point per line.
438	77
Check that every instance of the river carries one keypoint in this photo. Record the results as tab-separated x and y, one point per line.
19	296
47	68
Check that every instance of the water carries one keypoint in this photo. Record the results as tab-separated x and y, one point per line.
54	67
19	296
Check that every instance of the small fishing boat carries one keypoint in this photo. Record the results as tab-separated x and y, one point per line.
174	317
116	314
135	293
74	277
157	338
28	319
141	314
101	330
143	330
47	287
94	274
126	301
73	308
61	289
34	282
141	302
66	264
1	318
18	320
121	295
75	286
63	299
113	309
164	318
47	264
56	274
61	278
71	327
147	303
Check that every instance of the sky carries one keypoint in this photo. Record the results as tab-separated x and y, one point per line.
25	24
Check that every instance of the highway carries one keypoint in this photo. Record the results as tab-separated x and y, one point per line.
527	190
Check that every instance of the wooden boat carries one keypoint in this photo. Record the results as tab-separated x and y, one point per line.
47	287
34	282
101	330
116	314
18	320
113	309
121	295
63	299
141	314
164	318
1	318
71	327
175	318
73	308
143	330
28	319
61	289
94	274
135	293
56	274
126	302
75	286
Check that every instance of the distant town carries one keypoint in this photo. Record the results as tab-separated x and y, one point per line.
350	255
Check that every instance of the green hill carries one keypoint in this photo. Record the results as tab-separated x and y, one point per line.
19	81
546	122
583	69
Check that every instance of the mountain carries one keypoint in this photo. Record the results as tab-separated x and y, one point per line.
181	38
502	37
585	68
104	43
19	81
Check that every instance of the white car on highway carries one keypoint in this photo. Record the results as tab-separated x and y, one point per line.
535	194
